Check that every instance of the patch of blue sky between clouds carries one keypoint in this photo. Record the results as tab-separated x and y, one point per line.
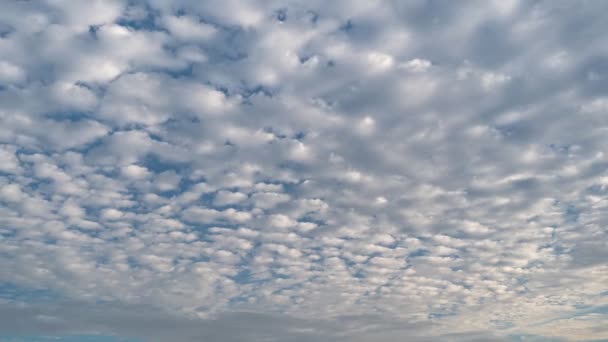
12	292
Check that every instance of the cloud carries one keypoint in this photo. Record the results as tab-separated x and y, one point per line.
304	171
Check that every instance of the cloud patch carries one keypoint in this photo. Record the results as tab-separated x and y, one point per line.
304	171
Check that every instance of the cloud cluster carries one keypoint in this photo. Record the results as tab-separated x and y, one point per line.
305	171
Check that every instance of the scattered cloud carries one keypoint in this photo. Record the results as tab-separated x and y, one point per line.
304	170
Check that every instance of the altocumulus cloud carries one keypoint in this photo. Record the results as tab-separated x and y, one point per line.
304	170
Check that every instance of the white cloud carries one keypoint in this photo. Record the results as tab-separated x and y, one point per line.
8	160
167	181
379	62
417	65
227	198
188	28
10	73
111	214
281	221
269	200
11	193
349	170
135	171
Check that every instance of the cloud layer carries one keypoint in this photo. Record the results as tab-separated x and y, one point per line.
304	171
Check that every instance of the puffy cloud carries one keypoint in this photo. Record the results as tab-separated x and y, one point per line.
228	198
10	73
135	171
188	28
110	214
306	171
8	160
269	200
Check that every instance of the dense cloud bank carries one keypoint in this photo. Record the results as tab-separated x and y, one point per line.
304	170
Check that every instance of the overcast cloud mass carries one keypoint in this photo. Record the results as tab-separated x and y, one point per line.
311	171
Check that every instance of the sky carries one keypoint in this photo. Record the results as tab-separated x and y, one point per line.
307	171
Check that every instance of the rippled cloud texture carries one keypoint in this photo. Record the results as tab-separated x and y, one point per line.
304	170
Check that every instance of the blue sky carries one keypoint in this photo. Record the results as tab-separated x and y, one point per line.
308	171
